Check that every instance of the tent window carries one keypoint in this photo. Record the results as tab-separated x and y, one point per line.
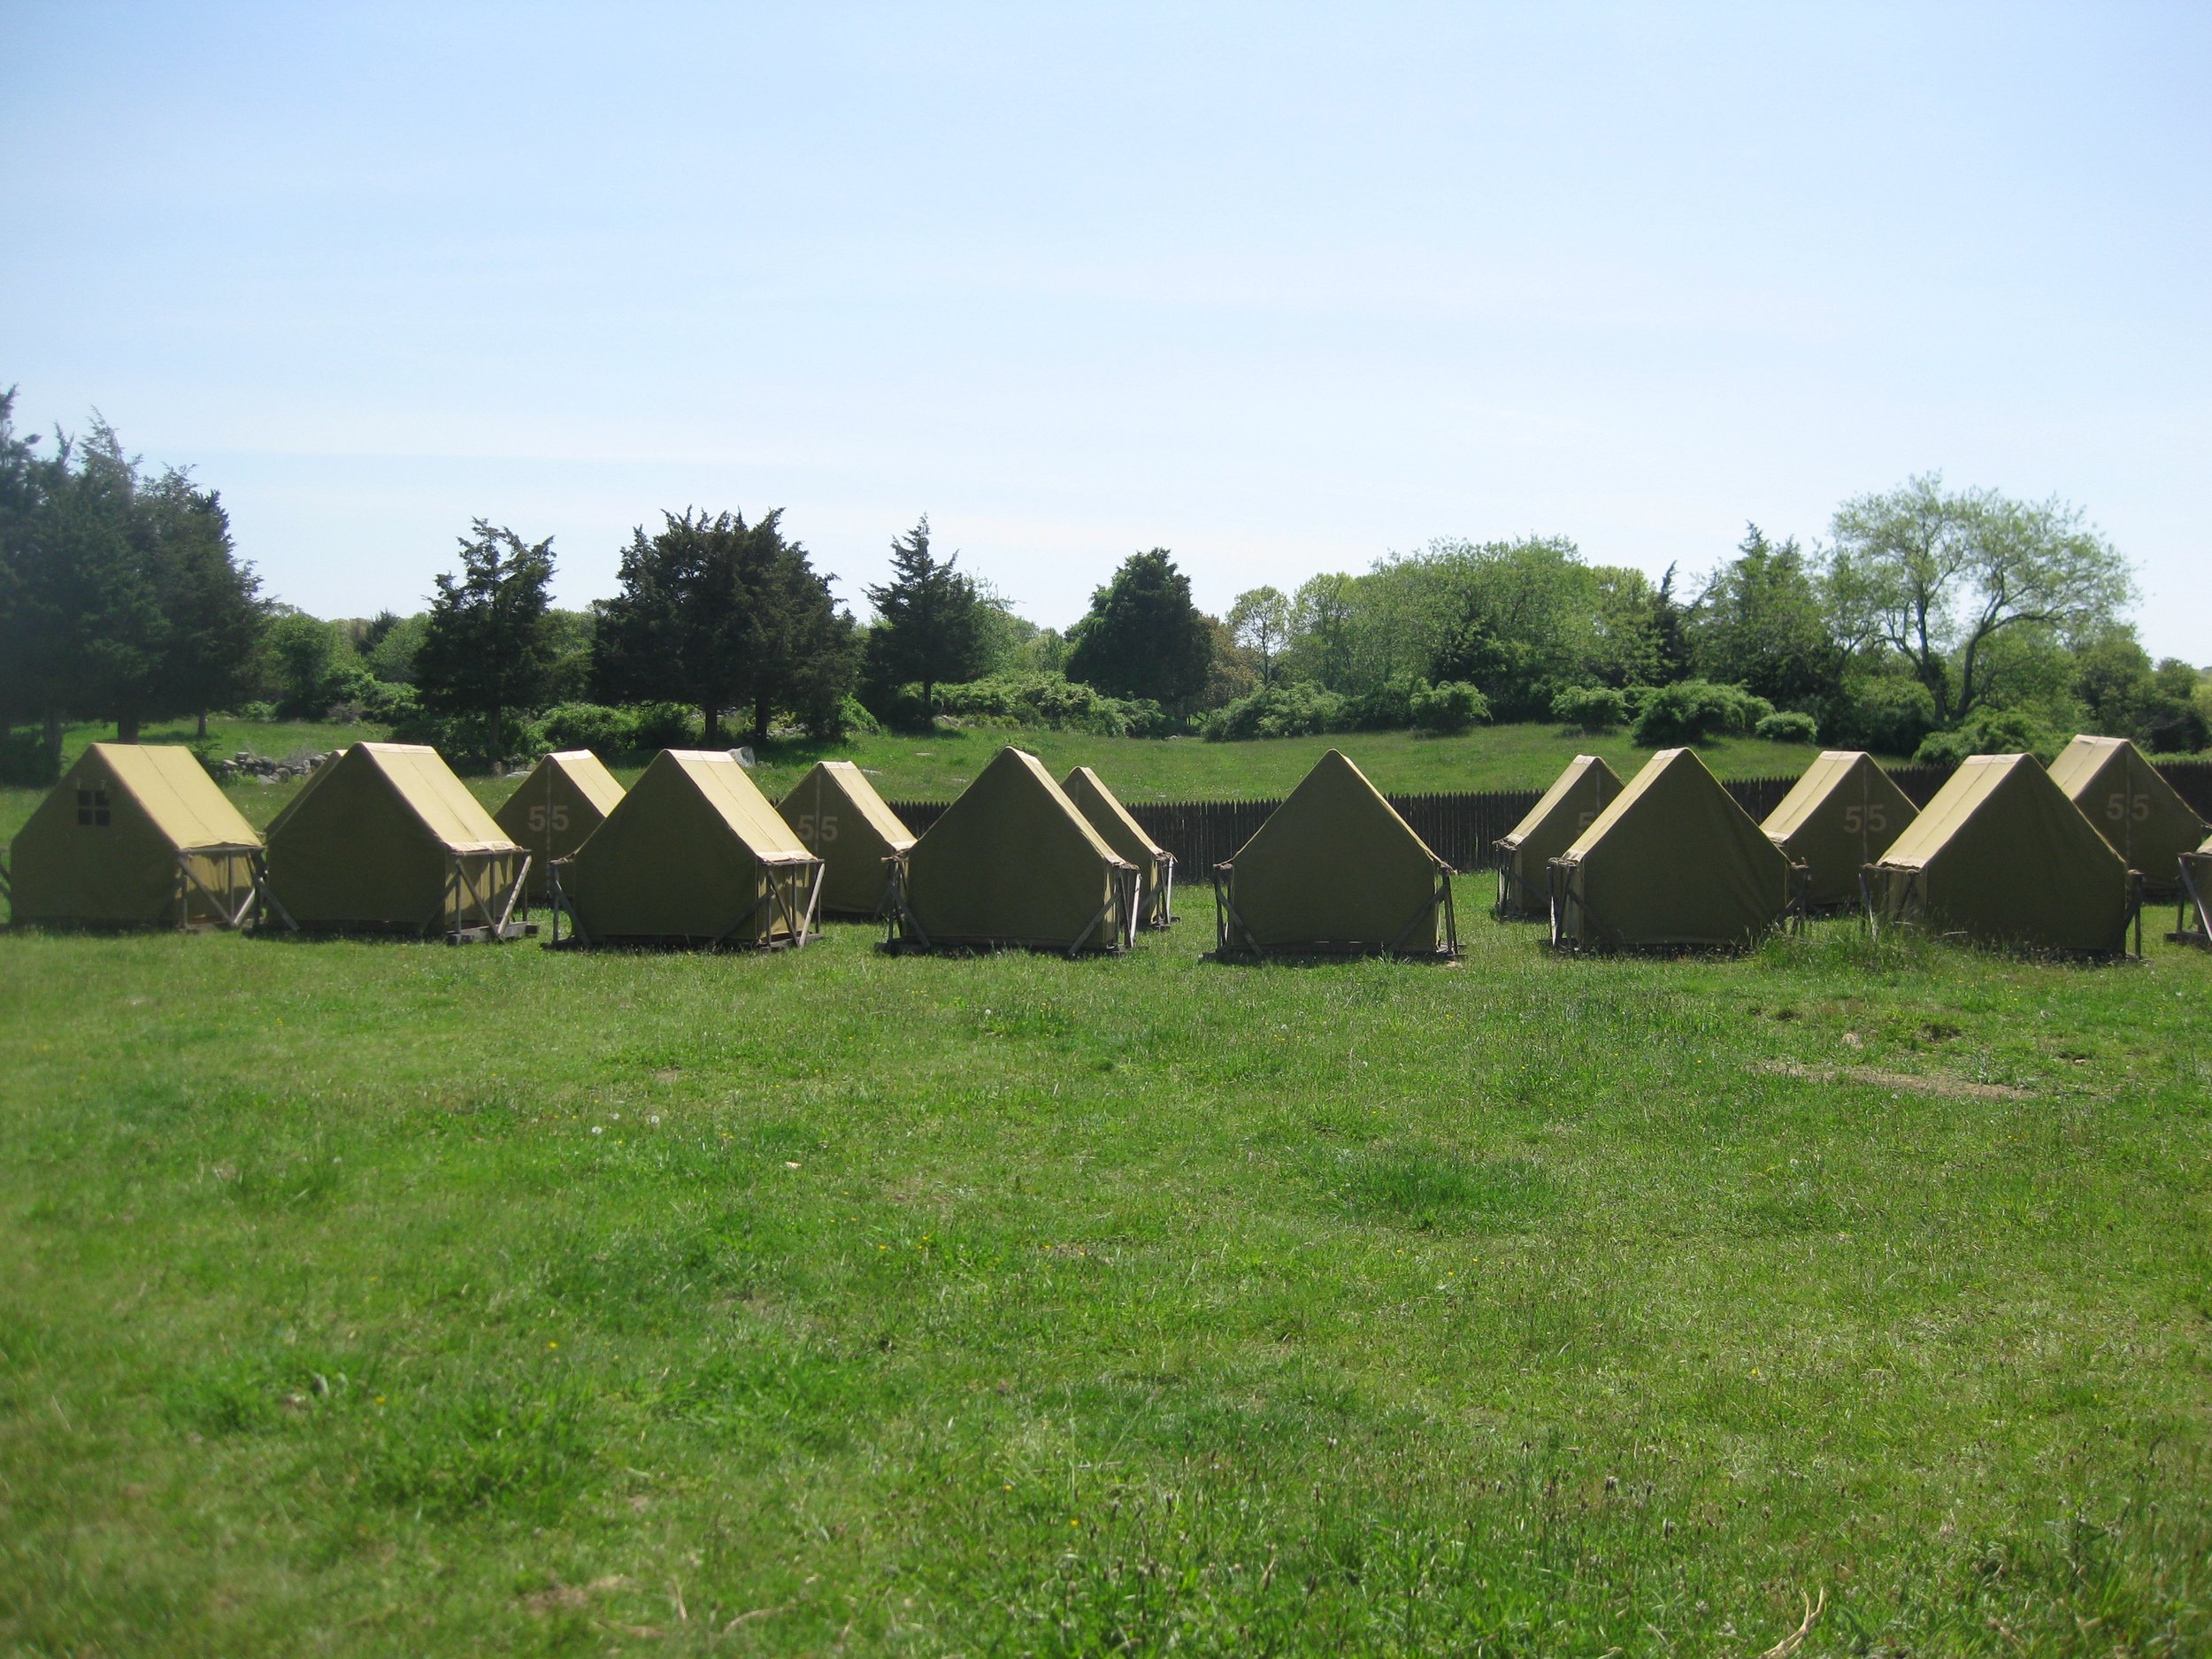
92	807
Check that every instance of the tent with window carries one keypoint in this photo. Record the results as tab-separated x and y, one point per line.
554	811
1838	818
1013	863
383	838
837	813
1571	805
1672	863
135	835
2002	855
695	855
1155	865
1335	870
2132	805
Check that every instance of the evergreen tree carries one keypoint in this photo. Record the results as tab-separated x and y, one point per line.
211	602
1143	637
1761	624
487	649
931	626
722	615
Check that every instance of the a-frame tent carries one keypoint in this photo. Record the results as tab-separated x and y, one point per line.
1673	863
1586	788
2002	855
134	836
2192	926
554	811
1155	865
1335	870
696	856
837	813
2133	806
383	838
1840	817
1013	863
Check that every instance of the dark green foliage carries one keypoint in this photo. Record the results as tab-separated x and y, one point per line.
1591	708
720	615
487	648
1295	710
2123	695
1990	732
1447	709
1052	703
1790	726
1143	638
1693	711
1888	714
930	626
1760	623
607	732
304	655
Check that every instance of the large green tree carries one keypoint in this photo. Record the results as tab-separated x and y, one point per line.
1259	622
1938	577
931	625
1762	623
1142	636
487	649
211	602
723	614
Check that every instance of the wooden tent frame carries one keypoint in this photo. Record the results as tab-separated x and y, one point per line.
467	883
1871	920
2193	902
782	900
232	911
1564	902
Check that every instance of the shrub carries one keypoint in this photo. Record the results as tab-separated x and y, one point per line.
1992	732
1447	710
1052	703
607	732
854	720
23	762
1592	707
659	726
1388	708
1294	710
1888	716
263	712
1695	710
1788	726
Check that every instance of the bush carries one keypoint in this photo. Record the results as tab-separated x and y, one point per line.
607	732
1052	703
1788	726
388	703
1591	708
1389	708
1695	710
1447	709
658	726
23	762
1993	732
1888	716
1294	710
263	712
853	720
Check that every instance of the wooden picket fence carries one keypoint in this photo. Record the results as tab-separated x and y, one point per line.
1462	827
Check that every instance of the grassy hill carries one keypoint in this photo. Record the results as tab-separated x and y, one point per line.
379	1298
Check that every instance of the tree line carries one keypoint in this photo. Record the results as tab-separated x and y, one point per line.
1930	616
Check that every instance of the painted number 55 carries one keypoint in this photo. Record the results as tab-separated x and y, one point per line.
812	827
1865	820
539	815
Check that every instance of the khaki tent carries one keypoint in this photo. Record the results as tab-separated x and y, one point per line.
554	811
1838	818
1335	870
693	855
134	836
1568	807
2002	855
1673	862
1012	862
2193	925
2132	805
1155	865
845	823
382	837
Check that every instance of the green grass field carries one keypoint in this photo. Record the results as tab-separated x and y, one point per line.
395	1299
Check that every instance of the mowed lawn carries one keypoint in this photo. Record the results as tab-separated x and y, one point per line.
395	1299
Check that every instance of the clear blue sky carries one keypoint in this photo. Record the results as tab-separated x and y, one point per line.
1280	288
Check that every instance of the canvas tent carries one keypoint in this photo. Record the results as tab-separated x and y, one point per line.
1571	805
382	837
554	811
1013	863
1155	865
693	855
135	835
2002	855
2133	806
1673	863
1838	818
2193	923
837	813
1335	870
